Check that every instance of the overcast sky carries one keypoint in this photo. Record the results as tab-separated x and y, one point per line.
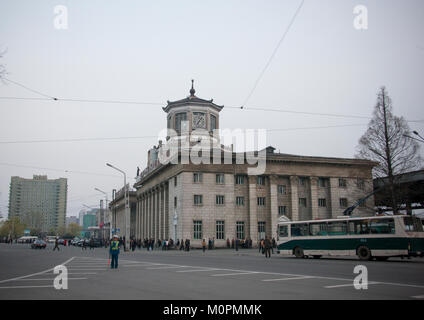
148	51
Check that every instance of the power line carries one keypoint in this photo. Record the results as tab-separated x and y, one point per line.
29	89
273	53
76	140
58	170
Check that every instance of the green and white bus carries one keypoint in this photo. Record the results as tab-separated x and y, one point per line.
378	237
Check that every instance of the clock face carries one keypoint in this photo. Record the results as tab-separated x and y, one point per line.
199	120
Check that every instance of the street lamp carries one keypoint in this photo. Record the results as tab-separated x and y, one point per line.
417	134
127	212
106	210
419	140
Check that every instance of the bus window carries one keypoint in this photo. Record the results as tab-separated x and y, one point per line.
412	224
337	228
283	231
318	229
299	230
358	227
379	226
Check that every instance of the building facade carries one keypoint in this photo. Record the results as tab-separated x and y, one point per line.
188	200
39	202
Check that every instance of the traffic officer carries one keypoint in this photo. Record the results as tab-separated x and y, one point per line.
114	252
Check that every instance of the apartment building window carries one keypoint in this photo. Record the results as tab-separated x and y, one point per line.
342	183
220	230
240	229
198	199
322	202
323	182
239	179
282	189
175	202
219	200
240	201
197	234
197	177
220	178
343	202
282	210
261	180
361	184
302	202
261	201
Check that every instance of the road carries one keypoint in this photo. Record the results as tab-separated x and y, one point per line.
217	274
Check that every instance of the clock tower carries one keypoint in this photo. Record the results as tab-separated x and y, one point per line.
192	113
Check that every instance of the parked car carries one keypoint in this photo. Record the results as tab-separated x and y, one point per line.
39	244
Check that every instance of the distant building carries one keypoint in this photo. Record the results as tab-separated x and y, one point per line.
39	202
89	220
72	219
81	216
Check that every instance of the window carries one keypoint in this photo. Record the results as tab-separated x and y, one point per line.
179	118
342	183
198	199
261	229
282	210
197	177
361	184
175	202
413	224
175	181
318	229
302	181
219	200
337	228
261	180
322	202
299	230
220	230
240	201
197	224
240	229
343	202
220	178
261	201
213	122
385	226
282	189
323	182
359	227
239	179
302	202
283	231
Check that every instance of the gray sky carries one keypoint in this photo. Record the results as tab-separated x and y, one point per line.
150	50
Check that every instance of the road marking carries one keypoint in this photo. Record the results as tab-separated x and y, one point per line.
233	274
349	285
35	274
170	267
292	278
85	269
50	279
200	270
26	287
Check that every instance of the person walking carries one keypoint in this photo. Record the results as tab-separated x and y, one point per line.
237	244
56	244
204	245
267	245
114	252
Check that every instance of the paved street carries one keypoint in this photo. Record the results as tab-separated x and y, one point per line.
218	274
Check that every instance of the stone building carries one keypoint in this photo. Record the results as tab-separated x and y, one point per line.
222	201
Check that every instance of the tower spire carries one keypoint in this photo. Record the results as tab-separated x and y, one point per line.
192	91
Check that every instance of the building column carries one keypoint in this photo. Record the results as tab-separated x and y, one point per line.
166	210
294	198
335	198
158	225
314	197
273	205
253	211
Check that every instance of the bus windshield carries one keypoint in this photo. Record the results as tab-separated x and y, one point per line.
412	224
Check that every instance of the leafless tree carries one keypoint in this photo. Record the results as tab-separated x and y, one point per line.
386	142
2	67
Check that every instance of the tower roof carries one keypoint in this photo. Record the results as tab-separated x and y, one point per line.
192	100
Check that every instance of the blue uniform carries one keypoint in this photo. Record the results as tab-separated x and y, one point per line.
114	252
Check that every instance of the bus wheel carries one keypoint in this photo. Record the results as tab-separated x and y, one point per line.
298	252
317	257
381	258
364	253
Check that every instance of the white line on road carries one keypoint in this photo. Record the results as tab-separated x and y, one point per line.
291	278
25	287
233	274
348	285
50	279
170	267
200	270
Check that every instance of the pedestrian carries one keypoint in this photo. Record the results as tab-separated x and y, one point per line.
237	244
204	245
267	245
228	243
114	252
56	244
91	244
182	245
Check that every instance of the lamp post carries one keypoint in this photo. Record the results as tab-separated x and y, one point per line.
106	212
126	198
417	134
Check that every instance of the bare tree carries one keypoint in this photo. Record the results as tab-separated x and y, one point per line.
385	142
2	67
